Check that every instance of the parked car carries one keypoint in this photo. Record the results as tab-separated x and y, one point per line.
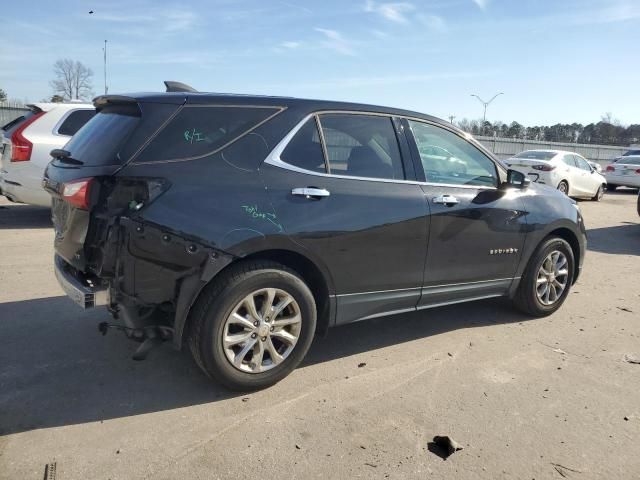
624	173
567	171
25	144
634	150
239	226
596	166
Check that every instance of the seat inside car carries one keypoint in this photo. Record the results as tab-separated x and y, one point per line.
363	161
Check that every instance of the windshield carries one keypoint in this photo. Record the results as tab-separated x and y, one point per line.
536	155
98	141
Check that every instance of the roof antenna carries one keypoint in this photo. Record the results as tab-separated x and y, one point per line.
173	86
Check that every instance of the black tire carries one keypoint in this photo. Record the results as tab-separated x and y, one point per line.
217	302
526	299
599	194
563	186
611	188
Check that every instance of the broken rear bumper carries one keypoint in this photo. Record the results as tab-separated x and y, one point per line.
81	290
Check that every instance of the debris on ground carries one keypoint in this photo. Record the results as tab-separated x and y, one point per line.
298	447
443	446
245	399
360	365
630	358
564	471
50	471
450	354
625	309
560	351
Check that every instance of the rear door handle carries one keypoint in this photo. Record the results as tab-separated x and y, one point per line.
445	200
310	192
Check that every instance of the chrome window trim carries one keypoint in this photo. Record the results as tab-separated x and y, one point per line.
275	160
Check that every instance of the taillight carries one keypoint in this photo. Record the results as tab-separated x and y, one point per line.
21	147
544	168
611	168
638	170
77	192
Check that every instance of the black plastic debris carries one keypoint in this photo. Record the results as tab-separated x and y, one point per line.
443	446
360	365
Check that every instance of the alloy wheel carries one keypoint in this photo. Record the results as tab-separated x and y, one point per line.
262	330
553	276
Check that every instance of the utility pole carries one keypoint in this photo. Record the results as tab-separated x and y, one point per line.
106	89
452	118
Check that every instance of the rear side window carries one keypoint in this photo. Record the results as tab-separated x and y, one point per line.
197	131
75	121
99	140
305	150
362	146
569	160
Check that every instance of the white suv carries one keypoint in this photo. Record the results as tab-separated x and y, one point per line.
25	144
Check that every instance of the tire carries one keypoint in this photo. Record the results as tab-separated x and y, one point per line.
527	299
563	186
211	321
611	188
599	194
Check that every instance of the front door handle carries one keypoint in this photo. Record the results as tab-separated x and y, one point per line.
445	200
311	192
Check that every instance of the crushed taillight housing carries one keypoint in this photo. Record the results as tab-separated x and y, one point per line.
21	148
611	168
544	168
77	192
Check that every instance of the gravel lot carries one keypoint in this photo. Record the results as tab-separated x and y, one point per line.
548	398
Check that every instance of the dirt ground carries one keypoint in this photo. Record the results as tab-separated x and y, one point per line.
527	399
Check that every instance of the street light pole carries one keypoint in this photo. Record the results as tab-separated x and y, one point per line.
486	104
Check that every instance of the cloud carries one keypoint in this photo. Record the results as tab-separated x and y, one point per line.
433	22
482	4
335	41
394	11
164	21
290	45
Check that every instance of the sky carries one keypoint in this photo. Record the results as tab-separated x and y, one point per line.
555	60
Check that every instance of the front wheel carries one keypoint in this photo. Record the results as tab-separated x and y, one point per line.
599	194
547	279
253	326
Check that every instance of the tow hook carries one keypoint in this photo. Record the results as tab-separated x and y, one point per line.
148	336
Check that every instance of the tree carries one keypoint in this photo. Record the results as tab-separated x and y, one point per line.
57	99
3	95
73	80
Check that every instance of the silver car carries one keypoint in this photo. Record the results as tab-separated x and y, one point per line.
623	173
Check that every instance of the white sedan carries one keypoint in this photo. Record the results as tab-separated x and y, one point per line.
567	171
625	172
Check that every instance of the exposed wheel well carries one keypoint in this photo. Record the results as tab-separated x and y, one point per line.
309	272
572	240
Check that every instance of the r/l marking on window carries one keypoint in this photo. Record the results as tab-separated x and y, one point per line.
193	136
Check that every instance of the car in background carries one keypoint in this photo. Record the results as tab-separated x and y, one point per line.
238	226
25	144
569	172
623	173
596	166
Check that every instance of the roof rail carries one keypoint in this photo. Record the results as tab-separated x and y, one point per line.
173	86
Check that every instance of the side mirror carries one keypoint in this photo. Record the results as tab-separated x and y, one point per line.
517	179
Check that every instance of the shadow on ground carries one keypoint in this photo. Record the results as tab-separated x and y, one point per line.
619	240
17	216
55	369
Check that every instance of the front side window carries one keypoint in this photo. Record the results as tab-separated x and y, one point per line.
582	163
362	146
305	150
197	131
450	159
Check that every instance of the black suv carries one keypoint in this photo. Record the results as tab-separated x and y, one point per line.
239	226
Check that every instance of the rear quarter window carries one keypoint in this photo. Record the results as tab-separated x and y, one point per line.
74	121
197	131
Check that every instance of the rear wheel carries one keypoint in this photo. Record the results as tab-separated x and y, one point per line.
547	279
563	186
599	194
253	326
611	188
